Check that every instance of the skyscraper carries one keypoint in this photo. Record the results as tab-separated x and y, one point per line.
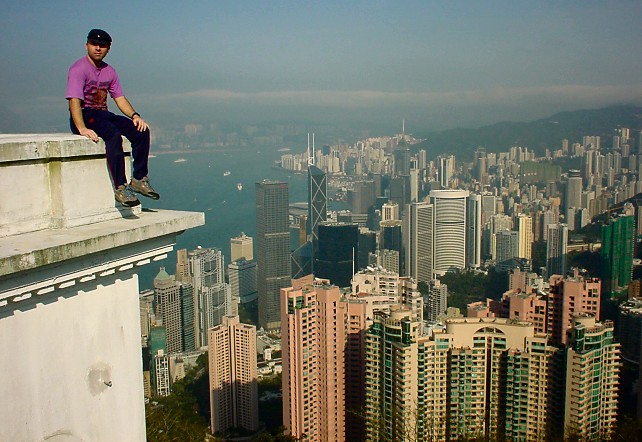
473	231
234	400
212	295
592	377
418	240
556	249
449	231
337	252
242	277
525	230
313	330
241	246
618	236
317	199
175	305
272	249
506	250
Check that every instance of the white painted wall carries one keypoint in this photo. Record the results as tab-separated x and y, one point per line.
56	358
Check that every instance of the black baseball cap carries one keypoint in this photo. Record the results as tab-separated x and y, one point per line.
99	36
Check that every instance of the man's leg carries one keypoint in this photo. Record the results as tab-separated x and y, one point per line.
140	145
101	122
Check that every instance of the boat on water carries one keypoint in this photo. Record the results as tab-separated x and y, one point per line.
239	186
227	173
180	160
284	149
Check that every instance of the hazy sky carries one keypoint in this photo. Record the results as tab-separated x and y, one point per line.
438	64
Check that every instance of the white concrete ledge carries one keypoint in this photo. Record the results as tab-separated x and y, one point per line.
29	251
54	181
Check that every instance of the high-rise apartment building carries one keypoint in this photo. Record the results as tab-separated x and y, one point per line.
436	301
556	249
241	247
389	212
525	230
490	377
212	295
592	377
175	305
234	400
272	250
506	250
314	334
618	240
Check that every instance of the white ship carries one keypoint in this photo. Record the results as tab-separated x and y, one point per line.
239	186
180	160
227	173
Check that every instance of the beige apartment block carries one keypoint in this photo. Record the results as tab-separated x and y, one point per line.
234	400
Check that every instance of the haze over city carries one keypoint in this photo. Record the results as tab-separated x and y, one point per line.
436	64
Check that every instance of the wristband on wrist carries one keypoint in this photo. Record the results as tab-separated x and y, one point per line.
134	114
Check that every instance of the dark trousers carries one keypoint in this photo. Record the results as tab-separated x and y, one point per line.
110	127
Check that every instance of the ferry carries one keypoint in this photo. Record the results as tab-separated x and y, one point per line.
180	160
227	173
239	186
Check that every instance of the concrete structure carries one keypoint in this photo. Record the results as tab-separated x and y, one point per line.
70	326
234	398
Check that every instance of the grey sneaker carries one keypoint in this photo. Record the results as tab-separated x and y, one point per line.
144	188
125	196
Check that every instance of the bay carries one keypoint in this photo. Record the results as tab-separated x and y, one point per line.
196	182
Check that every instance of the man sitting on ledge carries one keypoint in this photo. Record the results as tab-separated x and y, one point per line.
88	82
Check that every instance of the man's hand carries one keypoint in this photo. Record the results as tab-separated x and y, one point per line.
89	134
140	124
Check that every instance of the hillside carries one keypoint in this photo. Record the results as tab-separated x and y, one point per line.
538	135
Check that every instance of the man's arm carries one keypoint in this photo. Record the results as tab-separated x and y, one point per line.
76	115
128	110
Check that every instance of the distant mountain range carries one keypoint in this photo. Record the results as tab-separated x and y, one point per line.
537	135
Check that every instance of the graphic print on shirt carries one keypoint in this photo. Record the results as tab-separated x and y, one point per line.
96	95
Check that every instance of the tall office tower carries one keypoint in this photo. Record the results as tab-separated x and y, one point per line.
389	212
480	165
362	197
175	305
473	231
629	330
241	247
337	252
550	217
400	191
525	230
506	250
449	230
434	387
242	277
313	331
367	247
147	315
488	207
234	398
618	241
573	196
391	238
212	295
161	373
182	266
272	250
402	158
436	300
317	199
418	241
556	249
592	378
446	171
568	296
414	185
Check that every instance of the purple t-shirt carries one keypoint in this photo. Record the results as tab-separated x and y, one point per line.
91	84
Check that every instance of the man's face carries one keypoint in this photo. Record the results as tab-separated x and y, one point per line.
97	51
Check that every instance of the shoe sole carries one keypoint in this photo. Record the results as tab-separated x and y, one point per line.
129	204
153	196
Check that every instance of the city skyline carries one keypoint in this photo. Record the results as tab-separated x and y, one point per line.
437	65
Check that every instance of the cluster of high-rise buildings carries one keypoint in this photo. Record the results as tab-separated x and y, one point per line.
370	348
